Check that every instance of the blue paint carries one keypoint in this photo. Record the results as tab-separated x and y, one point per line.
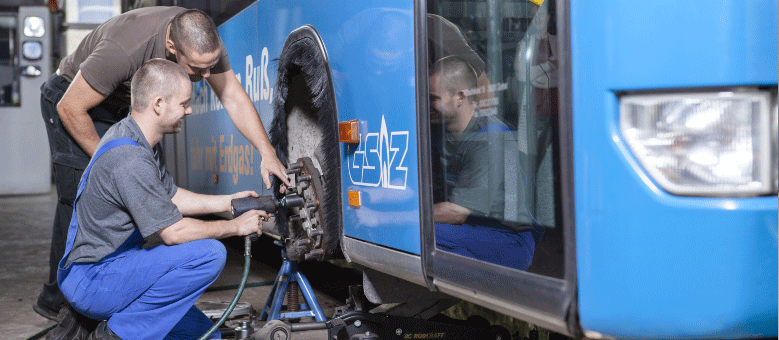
370	45
649	262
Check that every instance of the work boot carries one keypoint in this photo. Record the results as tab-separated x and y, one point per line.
44	311
70	325
102	332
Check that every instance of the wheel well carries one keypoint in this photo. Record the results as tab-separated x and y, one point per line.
305	124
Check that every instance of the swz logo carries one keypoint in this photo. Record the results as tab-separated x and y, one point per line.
379	159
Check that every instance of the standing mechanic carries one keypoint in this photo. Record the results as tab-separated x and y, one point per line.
126	196
91	91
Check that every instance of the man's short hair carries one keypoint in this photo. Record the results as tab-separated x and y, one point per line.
157	77
455	74
193	30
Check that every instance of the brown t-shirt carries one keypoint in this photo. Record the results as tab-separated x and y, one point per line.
109	56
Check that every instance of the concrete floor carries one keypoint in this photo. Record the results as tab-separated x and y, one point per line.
25	236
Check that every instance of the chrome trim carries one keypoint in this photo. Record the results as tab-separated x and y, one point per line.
427	236
386	260
567	202
542	319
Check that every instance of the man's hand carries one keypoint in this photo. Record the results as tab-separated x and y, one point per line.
243	194
272	166
250	222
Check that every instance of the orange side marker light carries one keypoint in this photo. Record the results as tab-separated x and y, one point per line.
355	199
349	131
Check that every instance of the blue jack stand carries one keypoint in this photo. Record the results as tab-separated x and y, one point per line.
291	277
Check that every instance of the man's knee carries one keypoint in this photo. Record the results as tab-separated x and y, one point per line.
213	252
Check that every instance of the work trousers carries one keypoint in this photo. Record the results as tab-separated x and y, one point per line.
147	293
496	245
69	164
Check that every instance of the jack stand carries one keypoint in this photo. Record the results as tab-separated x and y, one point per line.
291	277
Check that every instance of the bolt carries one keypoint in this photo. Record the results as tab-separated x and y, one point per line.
367	333
358	323
398	332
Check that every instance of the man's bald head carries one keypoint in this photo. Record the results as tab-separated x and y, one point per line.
455	74
157	77
193	30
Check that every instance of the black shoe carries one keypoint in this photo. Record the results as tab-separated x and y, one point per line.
102	332
70	325
45	311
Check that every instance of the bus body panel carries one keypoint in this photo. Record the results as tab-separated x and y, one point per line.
370	46
651	264
648	263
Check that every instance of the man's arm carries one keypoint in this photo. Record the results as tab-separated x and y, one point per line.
190	203
72	108
450	213
190	229
245	117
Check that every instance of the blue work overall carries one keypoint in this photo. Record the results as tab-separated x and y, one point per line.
143	293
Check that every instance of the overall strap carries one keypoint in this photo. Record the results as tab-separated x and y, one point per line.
73	228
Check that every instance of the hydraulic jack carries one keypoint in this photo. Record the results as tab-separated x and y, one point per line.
289	279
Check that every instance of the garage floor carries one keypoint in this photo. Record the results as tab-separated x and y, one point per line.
25	236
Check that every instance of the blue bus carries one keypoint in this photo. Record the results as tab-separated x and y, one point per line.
602	169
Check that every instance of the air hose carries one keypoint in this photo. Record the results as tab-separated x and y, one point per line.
247	254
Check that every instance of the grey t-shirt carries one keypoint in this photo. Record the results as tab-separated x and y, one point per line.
109	56
128	187
474	175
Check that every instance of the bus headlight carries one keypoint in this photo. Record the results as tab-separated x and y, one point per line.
704	144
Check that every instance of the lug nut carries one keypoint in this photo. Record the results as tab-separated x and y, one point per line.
315	253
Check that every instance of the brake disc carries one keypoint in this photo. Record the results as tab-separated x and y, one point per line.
305	222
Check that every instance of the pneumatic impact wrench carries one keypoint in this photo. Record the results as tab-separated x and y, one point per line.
267	204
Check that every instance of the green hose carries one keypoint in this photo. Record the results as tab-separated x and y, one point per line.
247	260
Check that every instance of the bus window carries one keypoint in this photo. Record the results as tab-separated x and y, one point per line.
493	112
9	75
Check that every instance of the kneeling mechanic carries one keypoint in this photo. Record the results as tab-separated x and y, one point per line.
125	196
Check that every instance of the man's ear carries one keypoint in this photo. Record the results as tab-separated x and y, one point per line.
461	97
170	47
157	103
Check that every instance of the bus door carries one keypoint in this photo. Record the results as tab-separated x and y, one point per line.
496	235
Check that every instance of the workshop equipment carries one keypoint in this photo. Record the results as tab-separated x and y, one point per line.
239	206
289	279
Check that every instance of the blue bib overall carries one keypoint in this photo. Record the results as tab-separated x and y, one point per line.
143	293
